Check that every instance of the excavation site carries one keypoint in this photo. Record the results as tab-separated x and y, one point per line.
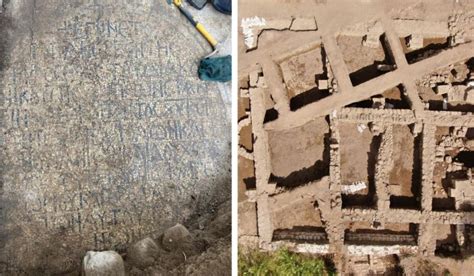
356	133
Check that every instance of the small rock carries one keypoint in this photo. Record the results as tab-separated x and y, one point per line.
323	84
448	159
104	263
415	41
174	236
201	226
443	89
142	254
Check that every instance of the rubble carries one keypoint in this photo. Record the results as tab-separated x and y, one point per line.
462	190
323	84
415	41
204	249
312	248
354	187
372	250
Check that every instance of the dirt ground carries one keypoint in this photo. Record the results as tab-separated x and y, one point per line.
437	266
298	149
355	151
246	176
401	174
359	58
300	213
300	73
206	252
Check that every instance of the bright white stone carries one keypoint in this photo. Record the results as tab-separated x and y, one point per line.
103	263
247	26
354	187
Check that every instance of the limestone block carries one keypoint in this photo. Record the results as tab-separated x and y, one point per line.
261	82
457	93
323	84
312	248
371	41
415	41
354	187
470	96
250	29
443	89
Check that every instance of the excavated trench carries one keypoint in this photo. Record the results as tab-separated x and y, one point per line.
366	200
301	234
466	158
371	71
431	48
314	94
309	157
412	202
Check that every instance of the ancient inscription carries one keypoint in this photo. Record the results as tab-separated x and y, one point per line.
107	129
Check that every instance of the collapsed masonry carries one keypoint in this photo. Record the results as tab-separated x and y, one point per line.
412	194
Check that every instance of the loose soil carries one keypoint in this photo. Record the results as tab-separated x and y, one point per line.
299	148
355	149
401	174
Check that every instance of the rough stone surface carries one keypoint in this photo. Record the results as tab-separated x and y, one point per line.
220	226
108	135
143	253
174	236
105	263
204	251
